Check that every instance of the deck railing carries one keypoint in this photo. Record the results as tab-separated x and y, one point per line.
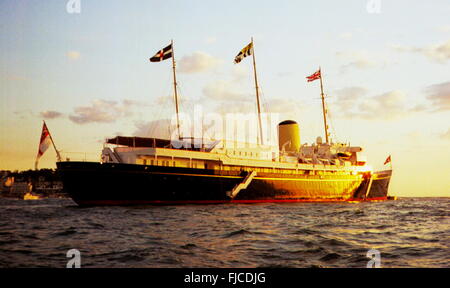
80	156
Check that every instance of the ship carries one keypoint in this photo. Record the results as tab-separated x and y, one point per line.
151	170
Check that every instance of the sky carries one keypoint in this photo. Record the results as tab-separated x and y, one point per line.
82	66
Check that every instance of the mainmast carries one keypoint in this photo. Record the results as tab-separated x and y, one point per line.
318	75
175	90
323	108
257	96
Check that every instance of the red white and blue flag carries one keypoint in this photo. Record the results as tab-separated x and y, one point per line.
314	76
44	142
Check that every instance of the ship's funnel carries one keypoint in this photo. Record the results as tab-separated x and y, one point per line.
289	136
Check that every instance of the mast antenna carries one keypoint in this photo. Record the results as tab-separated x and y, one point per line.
257	96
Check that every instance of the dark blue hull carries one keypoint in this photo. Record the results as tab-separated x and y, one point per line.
92	183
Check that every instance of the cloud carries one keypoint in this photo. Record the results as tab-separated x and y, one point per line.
164	100
347	97
386	106
161	128
197	62
358	60
73	55
49	114
225	91
419	108
353	102
438	53
439	95
102	111
242	107
389	105
350	93
285	107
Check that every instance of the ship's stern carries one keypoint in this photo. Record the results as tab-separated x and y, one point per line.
380	185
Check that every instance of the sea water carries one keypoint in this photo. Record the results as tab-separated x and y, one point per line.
408	232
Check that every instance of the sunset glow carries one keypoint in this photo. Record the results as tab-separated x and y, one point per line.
386	76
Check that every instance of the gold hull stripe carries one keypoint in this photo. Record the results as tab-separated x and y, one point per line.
259	178
382	178
297	179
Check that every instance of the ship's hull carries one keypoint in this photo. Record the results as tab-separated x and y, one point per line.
92	183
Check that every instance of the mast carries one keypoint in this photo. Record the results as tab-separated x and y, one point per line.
323	108
257	95
175	90
58	156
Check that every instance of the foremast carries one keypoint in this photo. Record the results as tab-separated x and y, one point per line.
246	51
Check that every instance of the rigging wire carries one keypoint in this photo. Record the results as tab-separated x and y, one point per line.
331	126
161	107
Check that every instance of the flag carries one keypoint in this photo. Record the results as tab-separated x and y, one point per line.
44	143
163	54
314	76
247	51
388	159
